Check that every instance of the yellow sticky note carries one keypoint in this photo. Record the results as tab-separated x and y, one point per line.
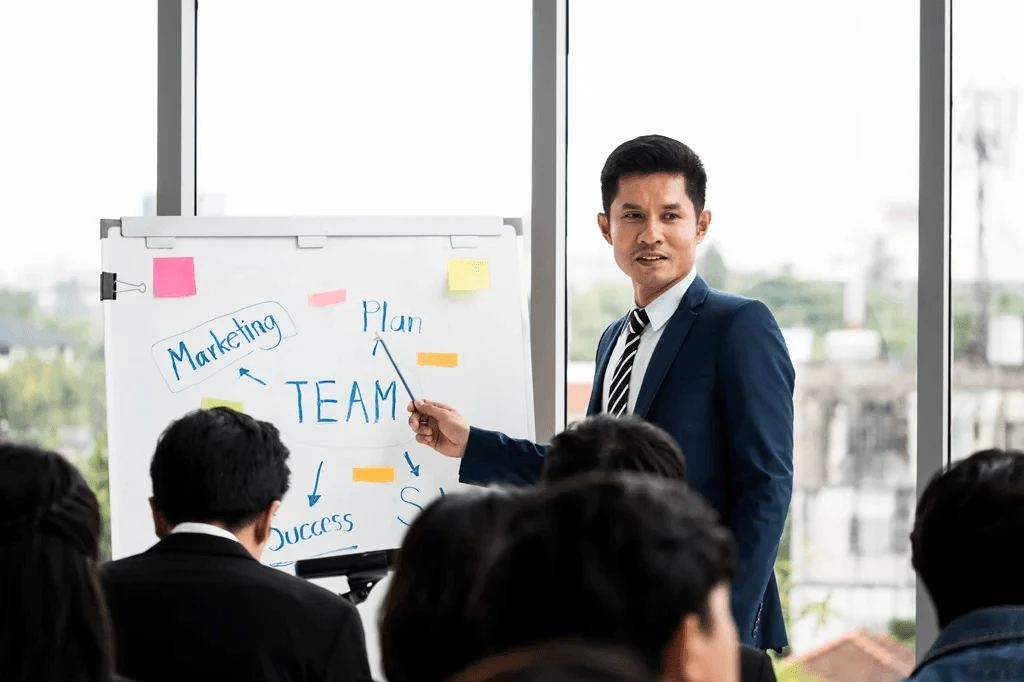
467	274
373	474
437	359
209	403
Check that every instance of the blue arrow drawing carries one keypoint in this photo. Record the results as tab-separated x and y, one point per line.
243	372
314	498
414	469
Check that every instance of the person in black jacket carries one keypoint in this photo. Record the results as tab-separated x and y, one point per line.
199	605
54	624
622	559
425	634
559	661
628	443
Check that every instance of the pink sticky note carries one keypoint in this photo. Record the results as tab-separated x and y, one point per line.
326	298
174	277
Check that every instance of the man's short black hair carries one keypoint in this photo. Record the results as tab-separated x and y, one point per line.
650	154
967	520
425	634
218	465
616	558
606	443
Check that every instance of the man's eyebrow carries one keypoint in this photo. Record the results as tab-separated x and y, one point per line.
665	207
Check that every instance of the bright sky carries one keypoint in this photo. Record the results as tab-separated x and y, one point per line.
805	113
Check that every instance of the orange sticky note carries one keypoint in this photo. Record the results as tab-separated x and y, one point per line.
174	277
373	474
217	402
437	359
468	274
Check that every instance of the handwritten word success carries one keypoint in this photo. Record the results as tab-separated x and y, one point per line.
304	532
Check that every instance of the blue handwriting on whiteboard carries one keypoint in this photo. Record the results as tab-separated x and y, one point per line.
193	356
311	529
375	314
414	470
243	372
313	497
355	404
404	496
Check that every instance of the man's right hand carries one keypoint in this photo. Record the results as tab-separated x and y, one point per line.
440	427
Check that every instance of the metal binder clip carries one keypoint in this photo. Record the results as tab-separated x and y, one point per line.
141	288
108	286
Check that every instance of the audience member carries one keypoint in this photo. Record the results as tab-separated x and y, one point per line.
54	625
621	559
968	521
199	605
606	443
424	636
560	661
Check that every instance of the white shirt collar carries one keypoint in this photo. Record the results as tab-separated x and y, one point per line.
203	529
661	309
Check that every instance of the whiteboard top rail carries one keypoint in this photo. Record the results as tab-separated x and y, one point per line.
309	226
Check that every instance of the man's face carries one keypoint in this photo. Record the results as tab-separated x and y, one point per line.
654	232
710	654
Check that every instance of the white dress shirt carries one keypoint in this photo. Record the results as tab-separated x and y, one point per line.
659	311
204	529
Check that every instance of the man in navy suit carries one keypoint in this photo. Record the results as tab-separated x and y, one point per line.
709	367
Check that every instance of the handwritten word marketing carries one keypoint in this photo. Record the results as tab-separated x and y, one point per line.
195	355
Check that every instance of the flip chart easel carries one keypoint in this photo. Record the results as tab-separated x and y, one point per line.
276	317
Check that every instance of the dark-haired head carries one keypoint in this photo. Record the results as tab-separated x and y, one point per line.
966	519
223	468
560	661
424	632
606	443
649	155
626	559
652	193
54	624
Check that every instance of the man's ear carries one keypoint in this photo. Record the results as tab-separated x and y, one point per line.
703	223
261	529
161	526
693	650
606	227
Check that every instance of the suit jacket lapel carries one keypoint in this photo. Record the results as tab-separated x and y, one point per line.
669	344
603	354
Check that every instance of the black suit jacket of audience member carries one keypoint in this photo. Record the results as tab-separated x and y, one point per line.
198	607
755	666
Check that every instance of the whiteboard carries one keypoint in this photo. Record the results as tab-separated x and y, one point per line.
280	316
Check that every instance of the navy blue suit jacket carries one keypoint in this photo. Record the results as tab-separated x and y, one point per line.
721	382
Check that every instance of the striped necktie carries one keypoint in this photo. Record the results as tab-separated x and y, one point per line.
618	394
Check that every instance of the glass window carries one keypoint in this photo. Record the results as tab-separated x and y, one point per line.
373	108
810	143
78	134
987	238
392	107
